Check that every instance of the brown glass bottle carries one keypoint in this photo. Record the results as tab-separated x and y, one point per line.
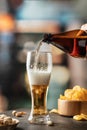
69	42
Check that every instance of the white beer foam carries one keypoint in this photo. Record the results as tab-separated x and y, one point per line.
39	77
84	27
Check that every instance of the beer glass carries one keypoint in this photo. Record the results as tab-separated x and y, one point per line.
39	66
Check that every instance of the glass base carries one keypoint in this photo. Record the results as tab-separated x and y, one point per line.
39	119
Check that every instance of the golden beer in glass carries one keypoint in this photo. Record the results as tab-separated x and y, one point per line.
39	66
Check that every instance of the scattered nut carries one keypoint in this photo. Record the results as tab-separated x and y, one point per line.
50	123
18	114
54	111
14	112
80	117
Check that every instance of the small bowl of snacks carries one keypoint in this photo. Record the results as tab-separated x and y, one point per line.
7	122
73	102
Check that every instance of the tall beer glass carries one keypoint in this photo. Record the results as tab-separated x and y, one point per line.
39	66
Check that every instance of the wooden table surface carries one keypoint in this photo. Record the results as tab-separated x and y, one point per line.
60	122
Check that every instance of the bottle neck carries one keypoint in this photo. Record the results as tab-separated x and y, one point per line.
47	38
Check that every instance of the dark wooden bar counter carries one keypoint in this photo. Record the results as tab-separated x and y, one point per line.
60	122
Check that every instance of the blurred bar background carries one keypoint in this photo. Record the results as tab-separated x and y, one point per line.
22	25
